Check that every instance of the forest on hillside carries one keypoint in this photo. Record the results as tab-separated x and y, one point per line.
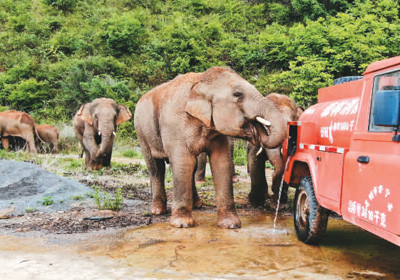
58	54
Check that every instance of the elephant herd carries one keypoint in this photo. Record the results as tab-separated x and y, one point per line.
191	115
15	124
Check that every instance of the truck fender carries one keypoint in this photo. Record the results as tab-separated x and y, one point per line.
303	164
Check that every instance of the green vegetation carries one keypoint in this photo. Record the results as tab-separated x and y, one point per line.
57	54
240	153
104	200
77	197
30	209
131	154
47	200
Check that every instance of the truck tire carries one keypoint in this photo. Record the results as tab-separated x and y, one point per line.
342	80
310	219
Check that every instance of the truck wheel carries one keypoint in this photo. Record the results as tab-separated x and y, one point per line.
310	219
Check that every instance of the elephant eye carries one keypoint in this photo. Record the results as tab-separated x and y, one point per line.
237	94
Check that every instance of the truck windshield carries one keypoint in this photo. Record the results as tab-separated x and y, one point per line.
385	85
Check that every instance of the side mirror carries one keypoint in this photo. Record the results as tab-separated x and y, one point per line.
386	110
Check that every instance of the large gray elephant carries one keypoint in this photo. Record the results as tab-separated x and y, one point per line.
195	113
256	158
95	125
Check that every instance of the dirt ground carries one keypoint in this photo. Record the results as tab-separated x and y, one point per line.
87	243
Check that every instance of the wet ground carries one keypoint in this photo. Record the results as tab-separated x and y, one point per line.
63	245
159	251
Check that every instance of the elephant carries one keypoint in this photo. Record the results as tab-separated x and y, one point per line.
256	158
48	134
20	124
195	113
95	126
200	175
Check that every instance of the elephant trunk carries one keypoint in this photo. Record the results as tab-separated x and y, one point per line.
106	144
270	136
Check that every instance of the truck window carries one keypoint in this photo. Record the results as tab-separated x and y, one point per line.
388	82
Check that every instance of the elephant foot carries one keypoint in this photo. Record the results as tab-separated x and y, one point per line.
228	219
257	199
273	203
235	178
197	203
182	219
158	207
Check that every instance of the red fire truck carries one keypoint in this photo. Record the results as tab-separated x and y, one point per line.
344	154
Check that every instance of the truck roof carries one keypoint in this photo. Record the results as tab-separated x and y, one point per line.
341	91
380	65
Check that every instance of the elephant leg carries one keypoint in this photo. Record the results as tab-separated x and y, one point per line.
183	167
256	168
200	174
106	160
197	203
156	168
30	140
276	159
232	140
55	147
221	168
87	159
6	143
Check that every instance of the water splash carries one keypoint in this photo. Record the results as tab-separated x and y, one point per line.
280	193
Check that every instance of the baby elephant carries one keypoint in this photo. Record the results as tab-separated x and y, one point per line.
95	125
48	134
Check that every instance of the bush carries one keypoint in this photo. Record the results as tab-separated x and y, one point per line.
104	200
29	95
64	5
123	34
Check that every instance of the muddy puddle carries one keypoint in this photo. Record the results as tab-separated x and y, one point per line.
159	251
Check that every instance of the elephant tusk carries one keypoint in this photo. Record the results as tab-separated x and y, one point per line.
259	151
99	133
263	121
114	133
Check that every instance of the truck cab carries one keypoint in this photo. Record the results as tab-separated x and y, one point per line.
344	155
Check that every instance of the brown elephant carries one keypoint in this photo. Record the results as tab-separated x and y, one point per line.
95	125
19	124
200	174
256	158
48	134
195	113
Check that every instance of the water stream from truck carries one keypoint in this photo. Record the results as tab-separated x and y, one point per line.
280	193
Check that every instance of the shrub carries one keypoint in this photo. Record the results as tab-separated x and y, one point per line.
123	34
47	200
64	5
104	200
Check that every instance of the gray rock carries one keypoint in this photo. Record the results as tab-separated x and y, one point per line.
24	185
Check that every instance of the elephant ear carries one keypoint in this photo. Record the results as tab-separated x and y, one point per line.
124	114
199	107
84	113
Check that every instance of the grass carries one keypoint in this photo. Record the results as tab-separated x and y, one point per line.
47	200
30	209
77	197
132	153
106	201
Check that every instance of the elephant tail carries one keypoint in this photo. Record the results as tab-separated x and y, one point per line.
37	135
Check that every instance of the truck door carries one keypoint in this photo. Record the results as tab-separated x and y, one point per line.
371	182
